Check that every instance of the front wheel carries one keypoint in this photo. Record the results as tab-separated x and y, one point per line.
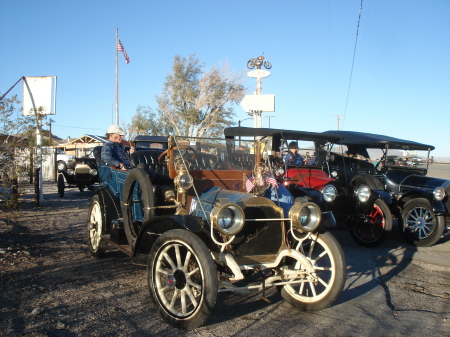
61	166
97	245
182	279
420	226
370	229
319	289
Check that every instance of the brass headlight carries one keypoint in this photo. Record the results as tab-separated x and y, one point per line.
305	215
183	181
228	218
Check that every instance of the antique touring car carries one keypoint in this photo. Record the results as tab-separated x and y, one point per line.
355	204
196	214
83	174
421	204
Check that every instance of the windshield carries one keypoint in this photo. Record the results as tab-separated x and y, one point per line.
392	157
218	154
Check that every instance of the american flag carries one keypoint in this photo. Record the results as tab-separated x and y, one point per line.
271	180
249	183
122	49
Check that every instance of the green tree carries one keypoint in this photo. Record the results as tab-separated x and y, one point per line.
144	121
197	103
15	132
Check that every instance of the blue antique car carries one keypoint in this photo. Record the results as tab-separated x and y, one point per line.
195	214
421	203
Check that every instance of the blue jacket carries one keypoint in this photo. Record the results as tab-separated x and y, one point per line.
295	160
114	153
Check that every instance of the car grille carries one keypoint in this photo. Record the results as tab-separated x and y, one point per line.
259	237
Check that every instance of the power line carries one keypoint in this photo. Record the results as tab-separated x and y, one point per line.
353	61
76	127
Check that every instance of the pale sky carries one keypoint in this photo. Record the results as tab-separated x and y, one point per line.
400	84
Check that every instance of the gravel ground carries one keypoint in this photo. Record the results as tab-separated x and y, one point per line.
50	286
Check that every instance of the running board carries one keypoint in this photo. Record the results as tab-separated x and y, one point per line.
123	248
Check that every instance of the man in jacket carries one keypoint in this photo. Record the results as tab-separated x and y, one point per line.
113	152
293	158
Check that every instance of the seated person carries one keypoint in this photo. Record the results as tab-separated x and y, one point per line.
294	158
242	148
113	152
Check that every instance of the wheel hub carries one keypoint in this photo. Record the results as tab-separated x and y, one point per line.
177	279
420	223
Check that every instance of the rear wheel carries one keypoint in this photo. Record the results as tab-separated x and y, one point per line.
370	229
182	279
61	185
320	288
420	226
97	245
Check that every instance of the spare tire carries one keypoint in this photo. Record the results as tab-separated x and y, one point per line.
137	203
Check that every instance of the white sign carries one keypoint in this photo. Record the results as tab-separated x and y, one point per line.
39	93
263	103
258	73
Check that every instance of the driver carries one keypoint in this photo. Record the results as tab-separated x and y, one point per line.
293	157
113	152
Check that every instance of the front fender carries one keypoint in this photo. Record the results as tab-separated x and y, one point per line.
311	193
439	208
156	226
328	220
383	195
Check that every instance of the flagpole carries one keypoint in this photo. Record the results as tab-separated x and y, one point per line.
117	76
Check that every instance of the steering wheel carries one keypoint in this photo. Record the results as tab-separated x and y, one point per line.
162	155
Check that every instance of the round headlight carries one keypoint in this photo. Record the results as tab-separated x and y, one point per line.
280	171
363	193
69	172
228	219
439	193
334	174
185	181
93	172
329	193
305	215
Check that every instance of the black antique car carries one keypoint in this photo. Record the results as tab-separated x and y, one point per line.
82	175
356	205
421	203
196	215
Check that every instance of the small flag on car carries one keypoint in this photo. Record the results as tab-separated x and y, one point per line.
249	183
271	180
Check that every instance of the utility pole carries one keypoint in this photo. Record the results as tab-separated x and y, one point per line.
269	119
338	119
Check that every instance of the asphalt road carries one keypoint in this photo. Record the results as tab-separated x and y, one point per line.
439	171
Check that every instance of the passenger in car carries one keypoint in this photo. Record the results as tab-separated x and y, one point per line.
242	148
293	157
113	152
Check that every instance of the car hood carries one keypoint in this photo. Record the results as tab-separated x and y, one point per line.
424	182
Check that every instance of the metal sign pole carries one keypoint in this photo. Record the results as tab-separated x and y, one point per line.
256	104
